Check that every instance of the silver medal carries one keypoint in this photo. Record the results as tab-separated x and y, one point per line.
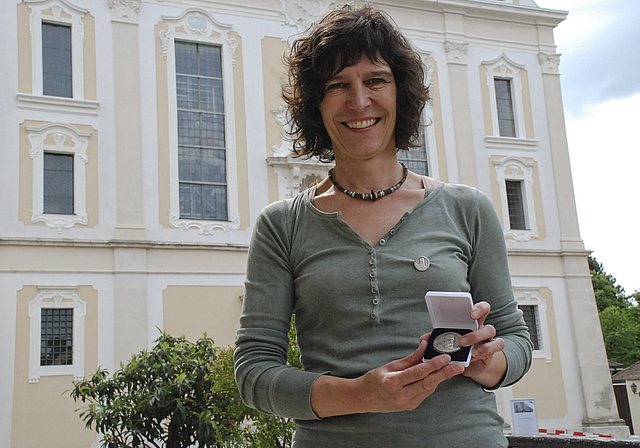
447	342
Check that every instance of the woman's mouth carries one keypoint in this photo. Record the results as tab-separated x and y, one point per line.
361	124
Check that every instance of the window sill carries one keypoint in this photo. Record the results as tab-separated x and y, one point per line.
204	227
57	104
511	143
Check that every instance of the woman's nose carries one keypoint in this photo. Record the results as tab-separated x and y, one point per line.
359	97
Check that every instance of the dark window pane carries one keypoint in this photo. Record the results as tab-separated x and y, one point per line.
58	184
530	315
515	203
506	119
56	60
56	337
416	158
201	133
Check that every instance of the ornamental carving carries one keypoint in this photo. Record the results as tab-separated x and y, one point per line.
204	227
550	63
456	53
124	10
301	14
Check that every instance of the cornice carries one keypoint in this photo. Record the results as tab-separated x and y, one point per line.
487	9
122	244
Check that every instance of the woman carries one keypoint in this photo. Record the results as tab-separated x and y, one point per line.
353	257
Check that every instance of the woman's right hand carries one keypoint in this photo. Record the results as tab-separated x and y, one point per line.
398	386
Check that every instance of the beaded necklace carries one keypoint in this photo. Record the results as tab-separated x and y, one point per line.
374	194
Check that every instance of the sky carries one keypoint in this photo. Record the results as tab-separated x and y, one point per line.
600	77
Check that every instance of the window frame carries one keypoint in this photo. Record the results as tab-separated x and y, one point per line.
503	68
57	297
427	133
200	27
66	140
530	296
517	169
66	14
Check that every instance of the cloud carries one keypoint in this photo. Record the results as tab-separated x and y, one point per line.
601	55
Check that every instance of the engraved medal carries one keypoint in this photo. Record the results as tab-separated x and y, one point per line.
447	342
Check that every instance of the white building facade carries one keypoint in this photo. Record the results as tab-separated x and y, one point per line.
142	137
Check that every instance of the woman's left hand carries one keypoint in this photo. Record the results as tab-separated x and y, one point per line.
488	363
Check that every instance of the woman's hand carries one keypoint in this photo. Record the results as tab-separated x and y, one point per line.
398	386
488	363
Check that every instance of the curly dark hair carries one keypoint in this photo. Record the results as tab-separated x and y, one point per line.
340	40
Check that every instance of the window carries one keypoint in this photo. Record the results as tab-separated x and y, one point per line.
201	137
58	183
508	118
530	315
57	78
534	312
421	159
515	179
56	337
203	178
515	204
57	46
504	104
59	153
416	158
56	333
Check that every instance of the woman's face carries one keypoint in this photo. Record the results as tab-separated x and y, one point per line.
359	110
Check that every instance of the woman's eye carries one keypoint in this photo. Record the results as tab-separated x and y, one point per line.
336	86
376	81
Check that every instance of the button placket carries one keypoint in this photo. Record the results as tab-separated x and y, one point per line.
373	279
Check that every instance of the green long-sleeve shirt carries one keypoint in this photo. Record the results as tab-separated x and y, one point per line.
358	307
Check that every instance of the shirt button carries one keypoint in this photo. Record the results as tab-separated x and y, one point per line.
373	315
372	274
404	219
392	232
372	261
376	301
382	241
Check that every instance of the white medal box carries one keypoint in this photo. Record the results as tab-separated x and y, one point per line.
450	316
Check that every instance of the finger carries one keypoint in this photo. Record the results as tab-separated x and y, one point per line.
484	333
409	361
425	337
433	380
487	349
480	312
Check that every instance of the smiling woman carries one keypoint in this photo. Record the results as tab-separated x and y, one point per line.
353	256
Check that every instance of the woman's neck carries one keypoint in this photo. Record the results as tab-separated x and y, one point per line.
363	176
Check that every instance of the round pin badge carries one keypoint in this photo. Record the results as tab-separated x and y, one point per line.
422	263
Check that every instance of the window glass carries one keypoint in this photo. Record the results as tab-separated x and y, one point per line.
56	343
516	205
506	118
56	60
416	158
201	133
58	184
530	315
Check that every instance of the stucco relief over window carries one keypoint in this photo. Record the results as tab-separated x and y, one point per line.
59	138
517	170
301	14
198	27
61	297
